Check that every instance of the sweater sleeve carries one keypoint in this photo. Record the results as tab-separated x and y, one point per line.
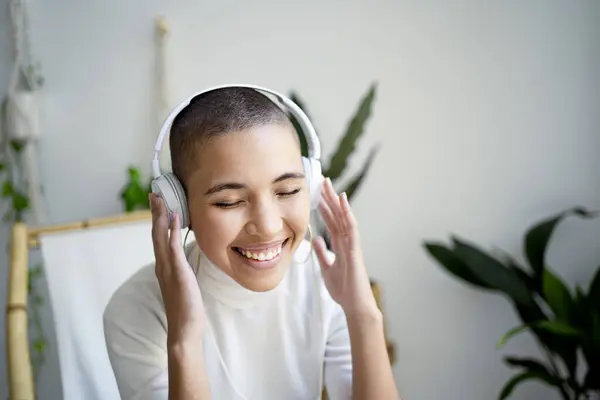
338	358
135	334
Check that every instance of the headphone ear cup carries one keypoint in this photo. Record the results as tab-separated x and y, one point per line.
169	188
314	178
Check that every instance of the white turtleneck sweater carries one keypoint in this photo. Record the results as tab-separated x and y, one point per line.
257	346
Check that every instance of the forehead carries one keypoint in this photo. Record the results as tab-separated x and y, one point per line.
257	154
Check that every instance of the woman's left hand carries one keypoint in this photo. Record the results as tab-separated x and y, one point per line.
345	275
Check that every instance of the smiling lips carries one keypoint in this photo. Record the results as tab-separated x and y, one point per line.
261	253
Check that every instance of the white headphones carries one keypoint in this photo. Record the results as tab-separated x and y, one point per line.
167	186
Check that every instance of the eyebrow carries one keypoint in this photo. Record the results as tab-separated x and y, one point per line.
219	187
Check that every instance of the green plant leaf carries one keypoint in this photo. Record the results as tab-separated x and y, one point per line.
590	341
508	335
514	266
563	346
492	272
594	290
529	364
20	202
357	180
135	194
17	145
525	376
2	166
558	327
447	259
591	353
557	295
523	275
295	97
7	189
554	327
301	134
39	345
581	310
355	129
538	237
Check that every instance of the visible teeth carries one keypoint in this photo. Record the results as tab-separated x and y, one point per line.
262	256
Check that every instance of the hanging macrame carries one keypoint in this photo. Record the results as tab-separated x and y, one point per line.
22	128
161	85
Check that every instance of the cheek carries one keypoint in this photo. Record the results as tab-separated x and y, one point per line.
214	228
296	213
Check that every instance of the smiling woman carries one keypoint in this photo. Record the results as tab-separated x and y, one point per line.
248	186
251	310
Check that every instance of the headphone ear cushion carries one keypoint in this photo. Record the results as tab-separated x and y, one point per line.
314	178
169	188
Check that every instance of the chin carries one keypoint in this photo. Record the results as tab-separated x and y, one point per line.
261	271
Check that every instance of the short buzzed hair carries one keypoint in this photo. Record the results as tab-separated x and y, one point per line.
217	113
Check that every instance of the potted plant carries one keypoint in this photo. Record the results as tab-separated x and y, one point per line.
564	321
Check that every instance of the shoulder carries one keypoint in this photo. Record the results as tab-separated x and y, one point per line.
139	293
135	301
135	333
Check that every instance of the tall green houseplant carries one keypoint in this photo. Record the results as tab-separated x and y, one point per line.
564	321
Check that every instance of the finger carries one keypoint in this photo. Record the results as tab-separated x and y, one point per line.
349	219
328	218
178	259
333	201
325	258
330	195
160	231
353	234
175	234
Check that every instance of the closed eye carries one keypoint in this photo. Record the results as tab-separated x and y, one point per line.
227	205
224	204
289	194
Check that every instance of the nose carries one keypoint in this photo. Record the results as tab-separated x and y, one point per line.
265	221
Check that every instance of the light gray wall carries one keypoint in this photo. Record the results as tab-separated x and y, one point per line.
488	112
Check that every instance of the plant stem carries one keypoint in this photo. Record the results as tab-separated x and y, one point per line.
561	386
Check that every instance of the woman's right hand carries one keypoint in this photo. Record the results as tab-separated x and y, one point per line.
180	292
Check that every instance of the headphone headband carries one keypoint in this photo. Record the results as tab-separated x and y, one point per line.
313	144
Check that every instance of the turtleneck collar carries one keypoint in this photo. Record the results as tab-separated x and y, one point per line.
212	280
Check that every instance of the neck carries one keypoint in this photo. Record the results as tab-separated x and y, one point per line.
221	286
